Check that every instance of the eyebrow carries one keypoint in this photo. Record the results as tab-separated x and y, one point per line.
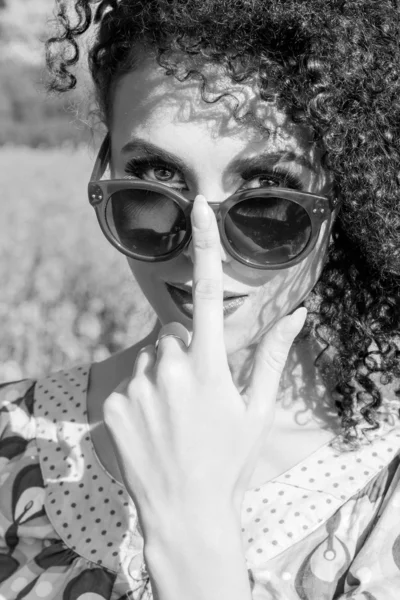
261	160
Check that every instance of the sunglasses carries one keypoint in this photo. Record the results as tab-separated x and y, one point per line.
263	228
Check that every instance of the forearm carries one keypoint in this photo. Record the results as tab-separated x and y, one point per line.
198	560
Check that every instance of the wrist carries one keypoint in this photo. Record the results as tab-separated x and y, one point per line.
206	528
200	559
194	519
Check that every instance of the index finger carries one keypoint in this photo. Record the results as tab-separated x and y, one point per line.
208	314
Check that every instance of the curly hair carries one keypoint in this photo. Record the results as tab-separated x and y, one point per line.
335	65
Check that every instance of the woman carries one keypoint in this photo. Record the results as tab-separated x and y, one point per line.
253	152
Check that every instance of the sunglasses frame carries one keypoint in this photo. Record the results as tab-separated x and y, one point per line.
100	191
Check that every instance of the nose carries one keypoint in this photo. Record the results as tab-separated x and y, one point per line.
189	252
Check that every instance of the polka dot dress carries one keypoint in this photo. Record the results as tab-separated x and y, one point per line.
90	509
71	530
297	502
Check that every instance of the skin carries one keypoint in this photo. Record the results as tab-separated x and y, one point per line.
172	116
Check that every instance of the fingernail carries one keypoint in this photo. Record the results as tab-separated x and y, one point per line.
297	319
201	212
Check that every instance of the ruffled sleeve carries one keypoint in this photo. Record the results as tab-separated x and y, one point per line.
21	483
16	411
35	560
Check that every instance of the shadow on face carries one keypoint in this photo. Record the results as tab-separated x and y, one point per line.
163	131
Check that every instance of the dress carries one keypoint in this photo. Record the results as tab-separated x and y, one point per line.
328	528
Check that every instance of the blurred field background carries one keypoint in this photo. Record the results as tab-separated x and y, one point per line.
29	116
66	296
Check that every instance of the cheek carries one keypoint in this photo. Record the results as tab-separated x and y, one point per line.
150	278
144	274
286	289
307	273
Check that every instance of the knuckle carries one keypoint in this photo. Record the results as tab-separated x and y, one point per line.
284	336
112	408
138	388
275	360
169	369
132	387
204	242
208	289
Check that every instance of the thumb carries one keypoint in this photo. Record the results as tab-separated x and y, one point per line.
270	358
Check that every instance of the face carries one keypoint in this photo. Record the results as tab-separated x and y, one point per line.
208	154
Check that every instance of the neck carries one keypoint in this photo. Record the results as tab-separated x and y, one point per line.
303	398
301	380
304	393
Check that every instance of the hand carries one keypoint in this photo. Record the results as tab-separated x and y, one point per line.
184	437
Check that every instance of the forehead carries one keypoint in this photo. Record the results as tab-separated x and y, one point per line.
147	100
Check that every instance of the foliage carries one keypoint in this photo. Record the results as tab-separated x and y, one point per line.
30	117
67	296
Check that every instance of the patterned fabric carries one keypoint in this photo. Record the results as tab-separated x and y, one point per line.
327	529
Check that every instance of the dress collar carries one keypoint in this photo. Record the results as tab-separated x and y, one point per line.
94	515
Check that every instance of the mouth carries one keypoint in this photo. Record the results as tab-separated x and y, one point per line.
184	300
187	289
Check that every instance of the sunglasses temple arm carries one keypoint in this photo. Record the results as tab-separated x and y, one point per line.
102	159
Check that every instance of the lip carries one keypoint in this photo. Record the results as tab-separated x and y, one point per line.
183	301
189	290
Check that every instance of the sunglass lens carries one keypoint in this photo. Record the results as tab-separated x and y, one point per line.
268	230
146	222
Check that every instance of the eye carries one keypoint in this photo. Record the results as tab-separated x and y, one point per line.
147	170
163	174
263	180
277	178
